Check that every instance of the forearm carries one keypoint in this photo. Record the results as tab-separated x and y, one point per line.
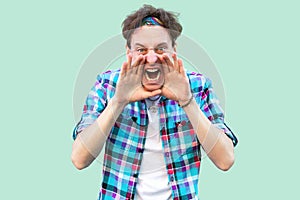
91	140
216	144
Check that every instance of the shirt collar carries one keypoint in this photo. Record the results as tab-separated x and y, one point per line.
138	111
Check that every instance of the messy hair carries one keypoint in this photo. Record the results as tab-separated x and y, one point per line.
168	19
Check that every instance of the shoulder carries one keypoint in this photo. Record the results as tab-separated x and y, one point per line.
109	77
198	81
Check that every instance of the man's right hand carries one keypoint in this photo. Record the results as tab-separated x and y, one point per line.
129	86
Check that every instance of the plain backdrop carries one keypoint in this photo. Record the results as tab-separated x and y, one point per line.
254	44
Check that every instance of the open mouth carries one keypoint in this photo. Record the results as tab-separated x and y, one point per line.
152	74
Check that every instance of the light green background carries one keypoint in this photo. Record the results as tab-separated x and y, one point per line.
255	45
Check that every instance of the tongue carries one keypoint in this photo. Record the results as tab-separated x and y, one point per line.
152	74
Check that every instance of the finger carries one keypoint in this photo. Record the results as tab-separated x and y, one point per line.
124	68
169	62
148	94
176	67
155	92
137	62
165	66
180	66
141	67
129	60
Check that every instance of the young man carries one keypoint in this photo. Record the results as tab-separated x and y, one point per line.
152	116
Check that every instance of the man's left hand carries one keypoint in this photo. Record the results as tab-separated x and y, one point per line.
176	85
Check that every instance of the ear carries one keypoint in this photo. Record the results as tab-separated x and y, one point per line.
175	46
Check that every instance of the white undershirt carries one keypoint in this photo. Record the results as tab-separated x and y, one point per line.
153	178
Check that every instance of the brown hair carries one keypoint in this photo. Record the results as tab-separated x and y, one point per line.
169	20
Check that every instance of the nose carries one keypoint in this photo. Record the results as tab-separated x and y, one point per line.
151	57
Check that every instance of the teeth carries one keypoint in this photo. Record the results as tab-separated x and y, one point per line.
151	70
153	79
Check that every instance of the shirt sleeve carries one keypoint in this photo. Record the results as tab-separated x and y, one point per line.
94	105
212	109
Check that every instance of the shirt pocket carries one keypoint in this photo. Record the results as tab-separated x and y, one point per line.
183	138
125	144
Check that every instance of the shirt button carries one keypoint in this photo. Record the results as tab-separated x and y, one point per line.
171	178
167	154
140	150
180	128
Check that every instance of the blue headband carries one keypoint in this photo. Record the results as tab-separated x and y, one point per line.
151	21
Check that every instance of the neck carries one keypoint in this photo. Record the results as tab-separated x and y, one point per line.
154	98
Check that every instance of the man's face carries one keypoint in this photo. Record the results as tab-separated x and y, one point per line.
151	42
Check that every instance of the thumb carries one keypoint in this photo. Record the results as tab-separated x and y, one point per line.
148	94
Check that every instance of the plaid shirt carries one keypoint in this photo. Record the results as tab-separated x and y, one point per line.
125	144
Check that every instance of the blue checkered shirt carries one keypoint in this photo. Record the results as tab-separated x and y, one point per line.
125	144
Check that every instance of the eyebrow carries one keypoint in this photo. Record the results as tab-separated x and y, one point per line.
160	44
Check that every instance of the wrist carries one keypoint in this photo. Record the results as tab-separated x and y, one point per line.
185	102
120	103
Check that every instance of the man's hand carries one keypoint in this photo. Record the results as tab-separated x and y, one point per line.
129	86
176	86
